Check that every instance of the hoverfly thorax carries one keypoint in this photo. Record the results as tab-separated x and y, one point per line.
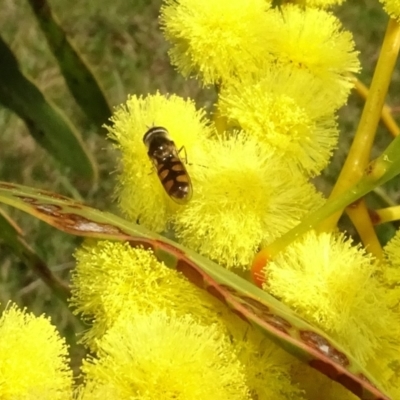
170	168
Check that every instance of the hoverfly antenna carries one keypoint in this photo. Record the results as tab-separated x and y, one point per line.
151	126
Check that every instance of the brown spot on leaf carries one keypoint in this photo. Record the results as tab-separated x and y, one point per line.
264	312
54	195
169	248
81	224
255	310
230	289
214	291
26	199
7	185
259	309
71	222
49	209
351	384
278	322
76	223
240	314
191	273
257	304
326	368
275	321
320	344
246	306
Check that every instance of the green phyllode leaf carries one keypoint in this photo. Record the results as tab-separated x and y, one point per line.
255	306
78	76
49	127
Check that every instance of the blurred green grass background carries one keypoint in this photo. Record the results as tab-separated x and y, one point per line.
122	42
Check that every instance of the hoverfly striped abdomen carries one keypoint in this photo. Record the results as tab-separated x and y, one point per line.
170	168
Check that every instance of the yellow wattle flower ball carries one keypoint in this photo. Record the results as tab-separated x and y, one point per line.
392	251
268	367
288	110
336	289
244	197
113	278
160	356
317	386
141	195
33	358
392	7
389	273
214	40
387	365
313	40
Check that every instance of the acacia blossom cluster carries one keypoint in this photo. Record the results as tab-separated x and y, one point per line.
281	74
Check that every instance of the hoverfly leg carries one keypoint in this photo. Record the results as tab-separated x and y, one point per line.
186	161
183	148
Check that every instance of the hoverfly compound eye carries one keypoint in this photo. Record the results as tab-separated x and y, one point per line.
155	131
171	170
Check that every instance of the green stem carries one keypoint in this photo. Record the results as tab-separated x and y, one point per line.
360	150
379	171
388	214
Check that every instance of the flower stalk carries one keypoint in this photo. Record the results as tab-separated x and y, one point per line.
386	116
387	214
360	150
379	171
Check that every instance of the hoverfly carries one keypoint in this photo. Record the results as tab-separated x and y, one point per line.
170	168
